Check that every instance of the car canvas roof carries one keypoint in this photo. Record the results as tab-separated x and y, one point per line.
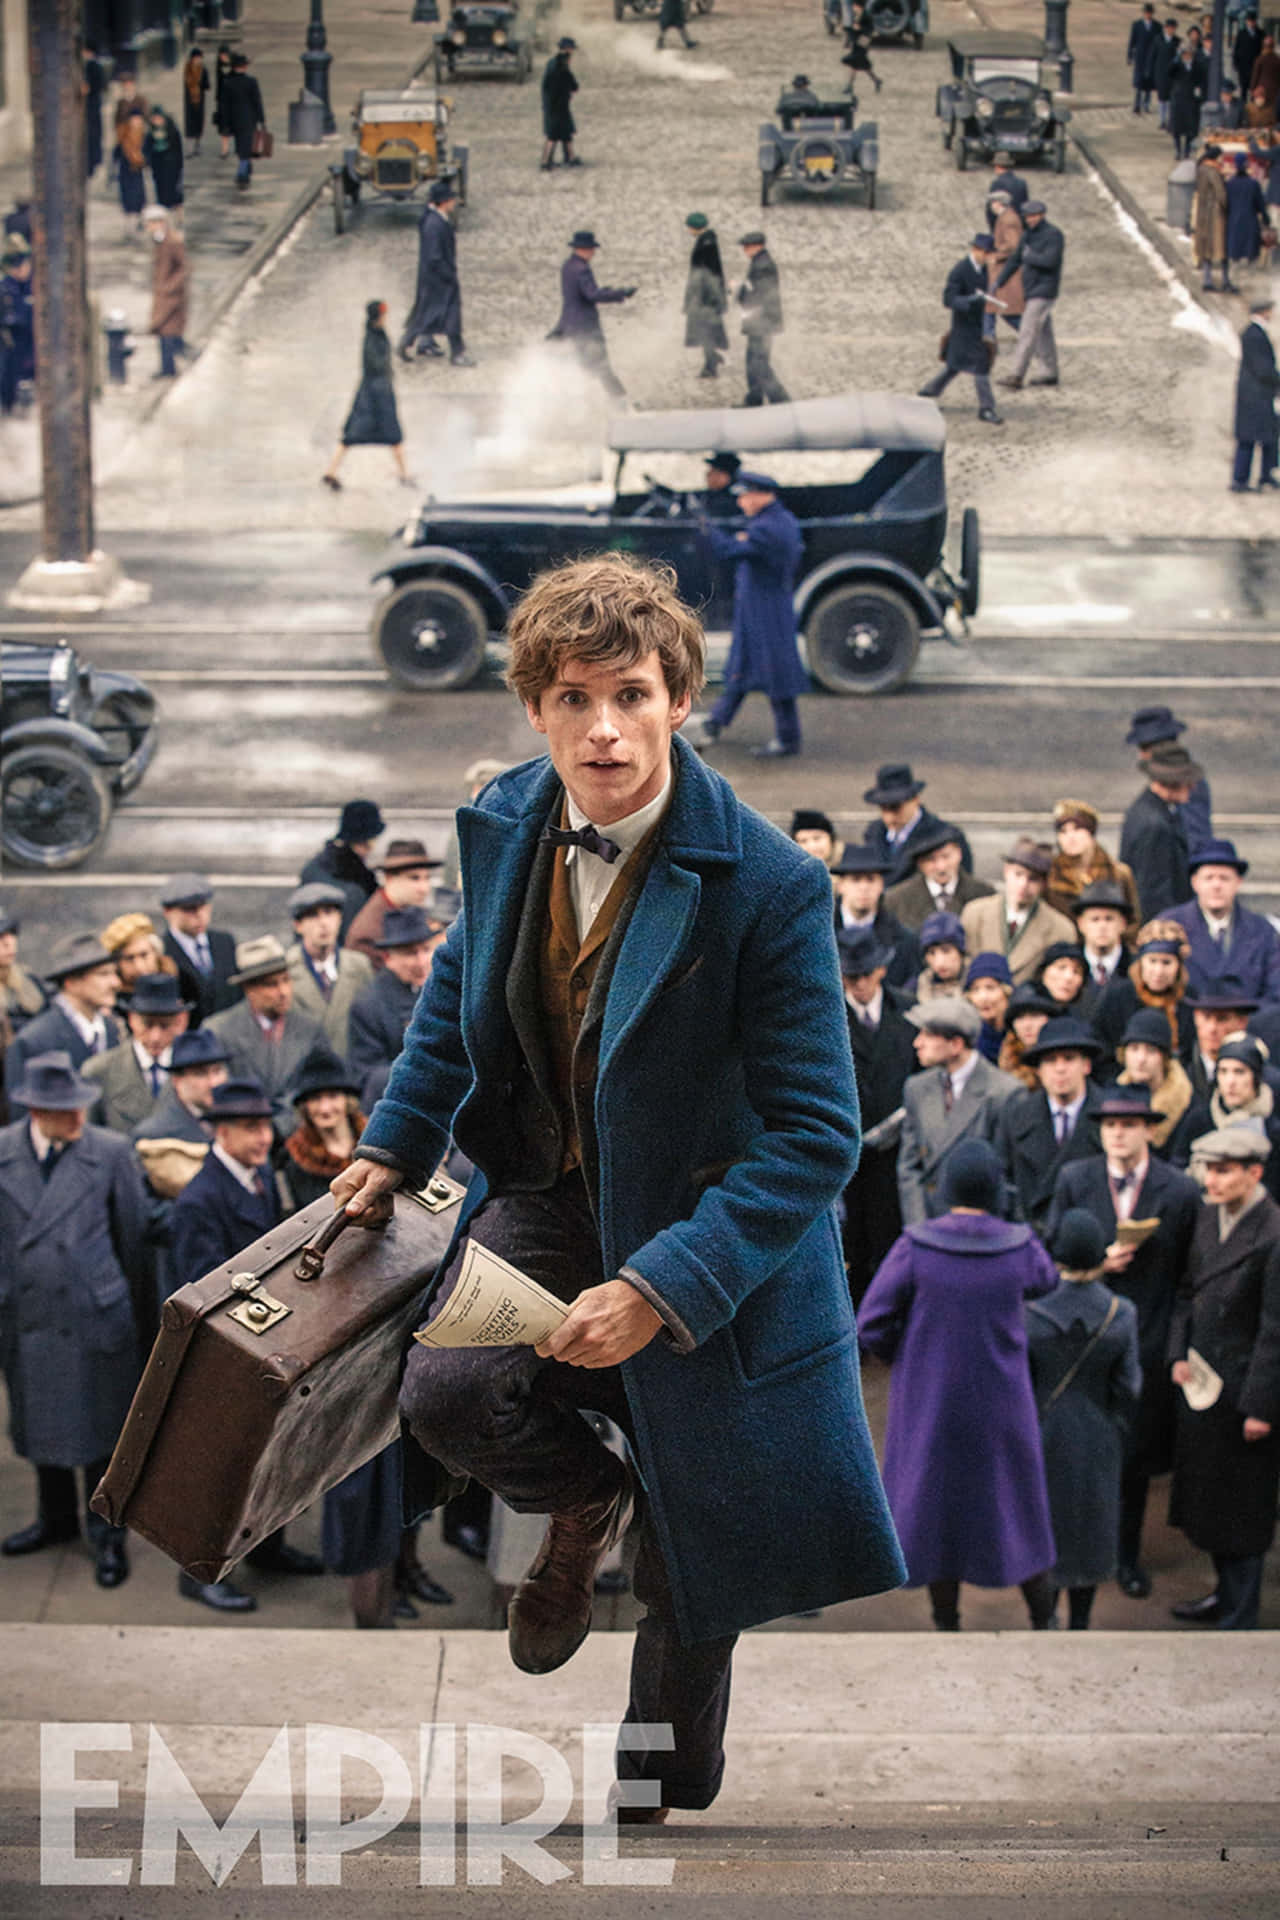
889	422
988	46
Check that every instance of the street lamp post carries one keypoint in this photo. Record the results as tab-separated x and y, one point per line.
316	62
1055	41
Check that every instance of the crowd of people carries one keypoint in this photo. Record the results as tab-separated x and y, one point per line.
1068	1062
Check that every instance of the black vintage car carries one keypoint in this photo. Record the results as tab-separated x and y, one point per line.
815	146
480	39
888	19
870	495
997	101
73	740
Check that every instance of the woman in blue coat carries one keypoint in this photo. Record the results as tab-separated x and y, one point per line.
963	1466
1246	215
764	657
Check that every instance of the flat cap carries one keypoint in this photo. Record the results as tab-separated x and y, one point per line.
950	1015
752	239
314	895
1243	1141
186	890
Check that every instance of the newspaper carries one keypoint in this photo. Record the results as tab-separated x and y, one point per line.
493	1304
1132	1233
1205	1384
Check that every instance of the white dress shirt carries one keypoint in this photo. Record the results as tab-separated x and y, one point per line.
1125	1198
590	877
960	1075
92	1032
872	1013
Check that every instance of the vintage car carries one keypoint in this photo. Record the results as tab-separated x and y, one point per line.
815	146
1000	100
73	740
400	143
869	490
488	38
652	8
889	19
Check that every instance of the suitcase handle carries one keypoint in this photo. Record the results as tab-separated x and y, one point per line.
311	1260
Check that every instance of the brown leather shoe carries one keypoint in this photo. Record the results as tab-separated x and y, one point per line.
550	1614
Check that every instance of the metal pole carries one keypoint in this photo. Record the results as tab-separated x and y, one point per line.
316	62
1217	65
1055	41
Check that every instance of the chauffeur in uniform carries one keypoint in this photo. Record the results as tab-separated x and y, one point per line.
635	1031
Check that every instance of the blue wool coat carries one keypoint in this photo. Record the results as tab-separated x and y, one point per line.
763	657
724	1043
1252	954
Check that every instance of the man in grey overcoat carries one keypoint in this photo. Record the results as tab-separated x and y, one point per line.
636	1033
326	977
74	1310
266	1036
957	1097
131	1077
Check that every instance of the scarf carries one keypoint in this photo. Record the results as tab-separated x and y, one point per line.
307	1150
1168	1003
1260	1108
1011	1061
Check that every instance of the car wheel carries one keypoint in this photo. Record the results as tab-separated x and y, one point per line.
121	733
961	153
970	561
339	204
55	806
432	635
863	638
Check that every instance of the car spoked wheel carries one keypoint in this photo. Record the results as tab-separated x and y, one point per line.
55	807
862	639
431	635
889	18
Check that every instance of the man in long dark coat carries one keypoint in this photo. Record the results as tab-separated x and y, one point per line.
965	297
1153	839
580	300
74	1313
345	860
1042	1128
558	88
1161	58
1143	35
1226	1474
760	297
1257	384
763	657
1245	49
635	1031
244	113
884	1054
1186	97
1127	1181
382	1010
437	303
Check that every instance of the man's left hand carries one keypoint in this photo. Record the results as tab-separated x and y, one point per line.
606	1325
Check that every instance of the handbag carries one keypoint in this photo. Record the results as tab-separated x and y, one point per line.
1269	236
263	143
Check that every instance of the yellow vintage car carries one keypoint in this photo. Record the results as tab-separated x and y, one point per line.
400	144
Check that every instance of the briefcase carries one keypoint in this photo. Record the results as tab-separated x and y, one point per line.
264	143
273	1378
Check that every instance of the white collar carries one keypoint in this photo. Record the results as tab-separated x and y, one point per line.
90	1031
1070	1108
873	1007
247	1176
626	833
143	1058
41	1144
960	1075
1135	1175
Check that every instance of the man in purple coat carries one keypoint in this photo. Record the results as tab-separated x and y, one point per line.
579	320
1227	940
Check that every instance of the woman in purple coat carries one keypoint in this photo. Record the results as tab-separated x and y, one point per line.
963	1465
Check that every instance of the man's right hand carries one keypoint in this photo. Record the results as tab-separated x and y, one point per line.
365	1189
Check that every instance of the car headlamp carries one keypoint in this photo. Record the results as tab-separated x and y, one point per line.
984	108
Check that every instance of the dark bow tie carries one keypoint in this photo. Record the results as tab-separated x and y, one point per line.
585	837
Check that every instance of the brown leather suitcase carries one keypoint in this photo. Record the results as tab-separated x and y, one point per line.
273	1378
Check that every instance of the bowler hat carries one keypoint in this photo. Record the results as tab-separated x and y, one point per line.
1172	765
949	1014
1228	995
1062	950
1063	1035
1126	1103
861	859
1242	1140
1150	724
584	238
314	895
9	921
323	1072
199	1049
941	835
1102	893
724	463
157	993
407	927
441	191
238	1100
989	966
187	890
810	820
50	1082
1035	855
983	243
1028	998
1249	1051
971	1177
259	959
361	820
752	482
1147	1027
752	239
860	951
403	856
1079	1245
1217	853
894	784
78	953
941	930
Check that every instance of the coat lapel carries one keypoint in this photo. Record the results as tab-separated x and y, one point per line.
961	1117
1219	1255
65	1188
20	1176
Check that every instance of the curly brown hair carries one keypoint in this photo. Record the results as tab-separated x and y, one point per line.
607	611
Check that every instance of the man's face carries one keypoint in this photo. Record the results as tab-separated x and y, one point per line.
412	964
945	962
8	949
609	731
59	1126
942	866
248	1141
718	479
1144	1064
156	1031
1229	1182
1174	793
95	989
1063	1073
863	987
1214	1027
270	997
896	817
1124	1141
1234	1082
195	1085
1101	928
938	1049
193	921
859	893
1033	219
990	997
1021	886
1215	888
318	931
410	888
815	841
754	500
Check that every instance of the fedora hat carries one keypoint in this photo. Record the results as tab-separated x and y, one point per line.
199	1049
403	856
1150	724
407	927
258	960
238	1100
861	859
1126	1103
860	951
157	993
78	953
1102	893
51	1083
1217	853
1035	855
894	784
1172	765
1065	1035
943	835
1223	996
323	1072
584	238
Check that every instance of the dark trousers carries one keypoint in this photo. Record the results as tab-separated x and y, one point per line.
171	345
981	381
1244	461
763	384
786	716
593	355
1135	1484
1239	1592
513	1422
58	1507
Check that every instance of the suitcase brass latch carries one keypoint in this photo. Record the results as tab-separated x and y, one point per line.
440	1192
259	1313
